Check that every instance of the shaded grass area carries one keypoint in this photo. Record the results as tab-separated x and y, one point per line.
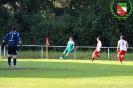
66	74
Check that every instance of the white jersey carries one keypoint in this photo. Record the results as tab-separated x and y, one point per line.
122	45
99	45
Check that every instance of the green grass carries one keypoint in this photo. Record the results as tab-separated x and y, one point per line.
53	73
80	55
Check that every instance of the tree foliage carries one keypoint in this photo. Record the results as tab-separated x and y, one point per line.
84	20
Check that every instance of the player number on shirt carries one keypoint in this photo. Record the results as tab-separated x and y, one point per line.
11	38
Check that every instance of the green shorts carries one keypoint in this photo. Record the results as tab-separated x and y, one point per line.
67	50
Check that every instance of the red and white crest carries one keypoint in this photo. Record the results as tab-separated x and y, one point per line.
121	9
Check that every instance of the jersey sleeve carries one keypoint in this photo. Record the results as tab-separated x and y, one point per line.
100	44
73	44
6	37
18	37
119	42
126	44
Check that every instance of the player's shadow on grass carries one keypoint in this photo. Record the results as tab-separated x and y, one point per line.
33	69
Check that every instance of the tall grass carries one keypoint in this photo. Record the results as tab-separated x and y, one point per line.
82	55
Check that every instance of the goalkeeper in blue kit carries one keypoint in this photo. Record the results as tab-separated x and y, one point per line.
13	38
69	48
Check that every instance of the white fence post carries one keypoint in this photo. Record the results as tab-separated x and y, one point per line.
75	53
4	52
0	51
108	53
42	51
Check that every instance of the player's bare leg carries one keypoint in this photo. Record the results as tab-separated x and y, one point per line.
93	56
122	57
118	56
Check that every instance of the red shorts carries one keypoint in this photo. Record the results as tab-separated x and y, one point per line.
96	52
121	52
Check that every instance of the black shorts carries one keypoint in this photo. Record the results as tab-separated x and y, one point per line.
12	51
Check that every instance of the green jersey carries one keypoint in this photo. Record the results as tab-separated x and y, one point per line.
70	45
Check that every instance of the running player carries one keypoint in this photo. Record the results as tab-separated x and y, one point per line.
69	48
121	48
97	50
13	38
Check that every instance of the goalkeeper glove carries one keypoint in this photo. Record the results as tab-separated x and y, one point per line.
20	45
3	44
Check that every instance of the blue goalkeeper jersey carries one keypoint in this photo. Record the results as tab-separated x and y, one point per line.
13	37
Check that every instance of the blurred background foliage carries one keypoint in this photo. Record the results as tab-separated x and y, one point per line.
84	20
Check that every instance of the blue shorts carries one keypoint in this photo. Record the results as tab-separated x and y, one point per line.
12	51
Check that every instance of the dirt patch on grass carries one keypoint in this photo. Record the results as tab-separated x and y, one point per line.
20	68
33	69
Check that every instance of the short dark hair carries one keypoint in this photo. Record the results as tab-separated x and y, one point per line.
98	38
122	37
14	28
71	38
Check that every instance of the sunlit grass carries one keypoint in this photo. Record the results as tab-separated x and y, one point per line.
53	73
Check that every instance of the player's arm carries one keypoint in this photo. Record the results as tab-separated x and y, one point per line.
72	48
5	38
127	45
19	40
100	45
3	44
118	47
3	41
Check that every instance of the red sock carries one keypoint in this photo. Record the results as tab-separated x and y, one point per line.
118	58
122	58
92	58
98	56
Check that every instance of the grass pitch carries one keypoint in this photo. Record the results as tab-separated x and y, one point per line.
44	73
